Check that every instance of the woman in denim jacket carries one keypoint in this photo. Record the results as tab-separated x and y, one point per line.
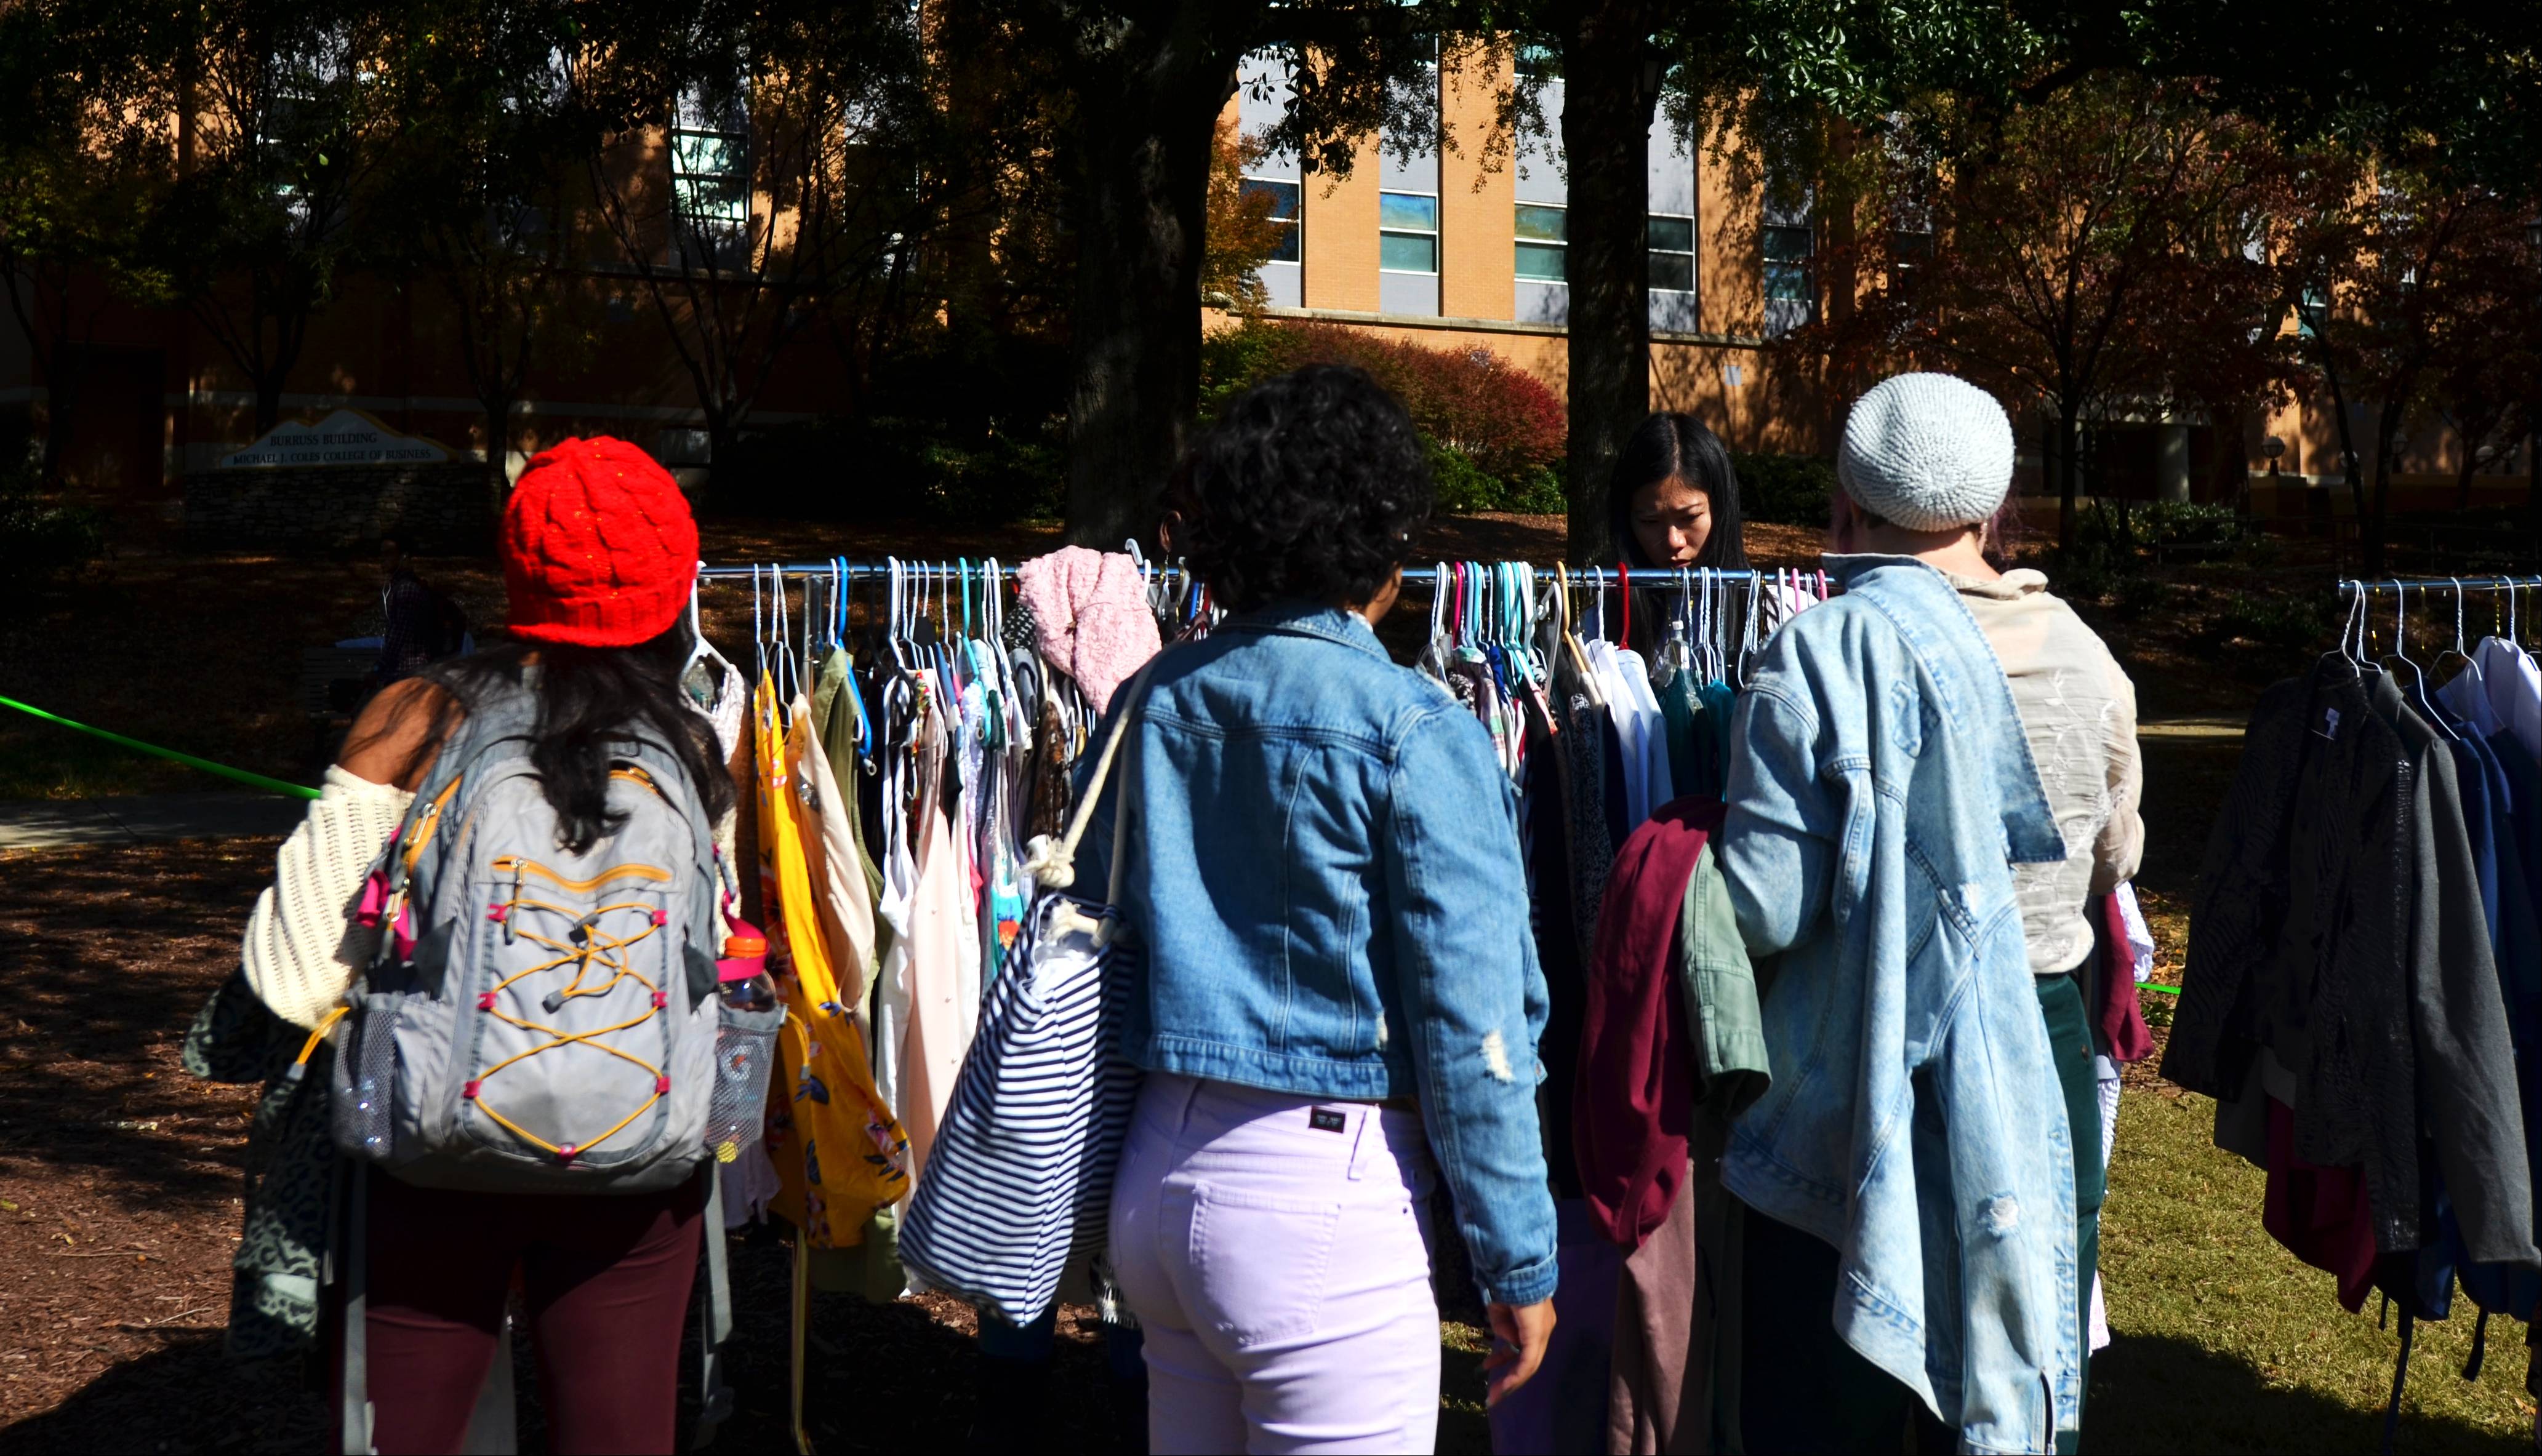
1341	993
1911	1173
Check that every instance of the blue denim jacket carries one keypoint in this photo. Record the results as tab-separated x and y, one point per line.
1324	876
1880	789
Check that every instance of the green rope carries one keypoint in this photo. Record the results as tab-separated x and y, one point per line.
2166	989
241	775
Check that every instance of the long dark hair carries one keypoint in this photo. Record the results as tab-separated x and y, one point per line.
1677	447
589	699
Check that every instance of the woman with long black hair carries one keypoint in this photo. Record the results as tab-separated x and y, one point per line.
1672	504
599	554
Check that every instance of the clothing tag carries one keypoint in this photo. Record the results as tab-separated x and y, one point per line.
1326	1120
2329	723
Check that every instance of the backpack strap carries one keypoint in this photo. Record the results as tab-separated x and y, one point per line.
715	1321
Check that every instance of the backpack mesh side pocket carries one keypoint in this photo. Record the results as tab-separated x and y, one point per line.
737	1108
364	1081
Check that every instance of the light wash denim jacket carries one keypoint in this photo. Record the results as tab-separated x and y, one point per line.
1324	876
1879	790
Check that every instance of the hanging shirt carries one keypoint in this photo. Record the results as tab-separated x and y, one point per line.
2515	688
839	1151
944	966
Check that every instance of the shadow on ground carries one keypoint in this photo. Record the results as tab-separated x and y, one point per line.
2156	1394
881	1378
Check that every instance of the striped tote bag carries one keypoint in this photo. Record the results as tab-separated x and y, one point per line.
1020	1176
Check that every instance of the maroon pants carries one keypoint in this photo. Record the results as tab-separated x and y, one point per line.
607	1280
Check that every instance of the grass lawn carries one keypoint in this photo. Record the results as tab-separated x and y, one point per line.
2225	1343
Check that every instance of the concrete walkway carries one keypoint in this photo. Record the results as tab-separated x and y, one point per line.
65	824
2208	728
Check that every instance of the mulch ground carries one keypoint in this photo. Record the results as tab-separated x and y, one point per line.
120	1180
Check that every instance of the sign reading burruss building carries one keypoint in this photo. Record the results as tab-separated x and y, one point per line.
347	437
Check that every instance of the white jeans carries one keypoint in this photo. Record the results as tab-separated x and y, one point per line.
1276	1252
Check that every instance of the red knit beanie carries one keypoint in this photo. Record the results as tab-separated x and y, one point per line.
599	548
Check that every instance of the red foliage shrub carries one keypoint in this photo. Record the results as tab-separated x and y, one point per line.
1496	415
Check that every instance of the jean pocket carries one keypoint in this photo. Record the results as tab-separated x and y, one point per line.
1260	1263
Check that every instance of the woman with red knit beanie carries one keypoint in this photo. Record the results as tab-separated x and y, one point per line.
599	554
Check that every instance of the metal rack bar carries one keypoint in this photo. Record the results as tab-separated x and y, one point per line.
1424	575
2444	584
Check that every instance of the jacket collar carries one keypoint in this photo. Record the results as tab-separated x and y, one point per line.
1300	619
1937	627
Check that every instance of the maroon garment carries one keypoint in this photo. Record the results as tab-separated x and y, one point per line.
2118	1012
1635	1093
607	1282
2318	1213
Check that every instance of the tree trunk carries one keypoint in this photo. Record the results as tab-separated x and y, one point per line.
2381	498
498	450
1606	140
2370	542
269	400
1141	203
2069	474
63	381
2463	473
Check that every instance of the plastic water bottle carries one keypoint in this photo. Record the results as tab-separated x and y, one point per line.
742	973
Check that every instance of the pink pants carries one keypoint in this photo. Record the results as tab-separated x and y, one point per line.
1275	1250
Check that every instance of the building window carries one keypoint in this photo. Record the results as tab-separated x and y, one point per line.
2312	311
1542	251
1791	299
711	180
1407	233
1284	211
1672	253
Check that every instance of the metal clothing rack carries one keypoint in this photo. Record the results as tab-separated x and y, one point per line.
2444	584
1424	575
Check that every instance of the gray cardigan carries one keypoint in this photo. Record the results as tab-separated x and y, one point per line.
2338	923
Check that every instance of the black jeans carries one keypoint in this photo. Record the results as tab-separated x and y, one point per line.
1801	1388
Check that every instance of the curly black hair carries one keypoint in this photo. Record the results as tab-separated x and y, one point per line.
1311	486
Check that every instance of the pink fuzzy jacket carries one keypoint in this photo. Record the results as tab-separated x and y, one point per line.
1092	612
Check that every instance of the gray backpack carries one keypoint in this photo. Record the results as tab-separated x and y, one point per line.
536	1021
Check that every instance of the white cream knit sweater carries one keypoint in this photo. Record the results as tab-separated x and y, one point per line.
302	947
2078	711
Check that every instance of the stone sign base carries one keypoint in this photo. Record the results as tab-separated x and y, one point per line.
442	510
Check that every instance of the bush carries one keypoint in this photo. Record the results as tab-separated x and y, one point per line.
1495	432
1789	489
2291	621
892	469
43	539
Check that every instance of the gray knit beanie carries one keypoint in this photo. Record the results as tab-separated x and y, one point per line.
1926	452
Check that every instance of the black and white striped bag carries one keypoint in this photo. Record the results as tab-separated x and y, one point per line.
1019	1179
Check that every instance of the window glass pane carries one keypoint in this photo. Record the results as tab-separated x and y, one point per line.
1287	251
1542	224
1283	196
1404	210
1787	243
1541	262
1787	281
1672	234
1408	252
1672	271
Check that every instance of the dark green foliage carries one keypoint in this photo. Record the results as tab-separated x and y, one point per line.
41	538
1790	489
2289	621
